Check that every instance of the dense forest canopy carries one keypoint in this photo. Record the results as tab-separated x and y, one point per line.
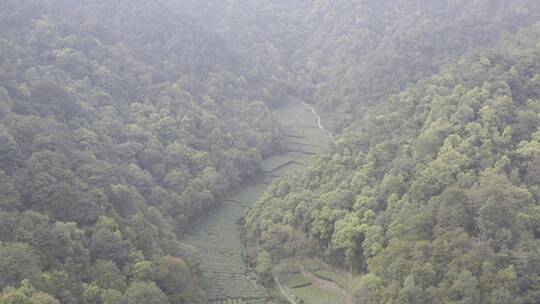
433	196
124	122
120	124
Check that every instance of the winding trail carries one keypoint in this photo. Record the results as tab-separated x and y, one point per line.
283	291
225	273
319	123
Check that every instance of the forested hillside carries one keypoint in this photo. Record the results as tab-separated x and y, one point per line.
120	123
363	51
123	123
434	196
345	54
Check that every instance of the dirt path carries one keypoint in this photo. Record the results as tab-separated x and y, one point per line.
319	123
283	292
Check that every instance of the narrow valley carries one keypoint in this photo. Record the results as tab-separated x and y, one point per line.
226	275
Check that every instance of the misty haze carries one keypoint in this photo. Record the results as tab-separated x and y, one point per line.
269	152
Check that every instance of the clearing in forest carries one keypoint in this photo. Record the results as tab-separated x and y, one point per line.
310	281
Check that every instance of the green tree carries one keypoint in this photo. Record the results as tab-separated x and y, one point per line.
9	196
107	275
453	213
176	279
26	294
264	268
112	296
369	290
412	293
465	290
17	262
6	103
9	150
145	293
348	236
107	242
71	245
43	298
91	295
143	271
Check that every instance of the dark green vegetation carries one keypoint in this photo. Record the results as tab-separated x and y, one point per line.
116	133
124	125
346	54
434	196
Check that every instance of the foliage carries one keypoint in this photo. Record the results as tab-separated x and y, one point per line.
145	293
264	268
347	55
26	294
120	124
434	194
124	122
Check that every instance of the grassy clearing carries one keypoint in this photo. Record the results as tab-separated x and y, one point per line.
299	148
308	141
295	114
289	168
339	278
297	280
315	295
311	281
274	162
239	301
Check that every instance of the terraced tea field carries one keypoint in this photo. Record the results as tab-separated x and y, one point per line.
314	295
339	278
310	281
226	277
297	281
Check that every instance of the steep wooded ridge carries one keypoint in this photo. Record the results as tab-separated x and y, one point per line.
120	123
124	122
345	54
434	196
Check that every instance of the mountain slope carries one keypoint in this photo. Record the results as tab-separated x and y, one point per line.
114	139
435	195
